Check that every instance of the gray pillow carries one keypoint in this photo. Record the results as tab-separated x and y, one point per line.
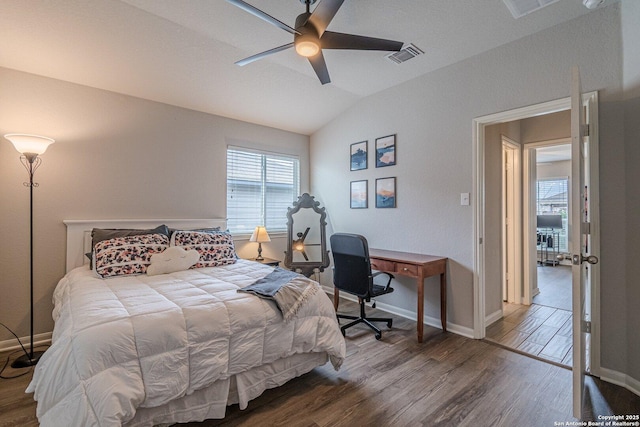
100	234
200	230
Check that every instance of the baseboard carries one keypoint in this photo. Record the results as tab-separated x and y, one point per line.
12	344
493	317
411	315
623	380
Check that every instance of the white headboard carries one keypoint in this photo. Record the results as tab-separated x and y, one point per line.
79	232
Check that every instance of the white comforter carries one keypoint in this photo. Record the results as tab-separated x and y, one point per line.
142	341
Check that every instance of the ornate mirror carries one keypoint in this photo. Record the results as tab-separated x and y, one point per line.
306	246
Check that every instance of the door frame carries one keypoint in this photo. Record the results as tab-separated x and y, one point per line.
478	149
512	204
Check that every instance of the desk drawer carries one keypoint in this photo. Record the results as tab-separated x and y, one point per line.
383	265
407	269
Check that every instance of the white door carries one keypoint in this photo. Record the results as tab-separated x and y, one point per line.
580	231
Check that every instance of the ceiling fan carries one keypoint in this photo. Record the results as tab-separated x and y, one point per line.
310	35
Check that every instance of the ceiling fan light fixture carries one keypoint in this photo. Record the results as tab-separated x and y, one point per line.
592	4
310	37
307	46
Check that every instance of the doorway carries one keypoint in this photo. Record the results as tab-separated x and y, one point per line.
541	325
488	254
553	207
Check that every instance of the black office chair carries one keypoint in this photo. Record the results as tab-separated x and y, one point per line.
352	274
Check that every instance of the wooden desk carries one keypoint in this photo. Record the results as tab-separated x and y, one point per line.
413	265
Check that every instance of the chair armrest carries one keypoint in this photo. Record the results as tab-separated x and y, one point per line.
391	277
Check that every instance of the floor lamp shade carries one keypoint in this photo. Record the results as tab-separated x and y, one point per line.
30	146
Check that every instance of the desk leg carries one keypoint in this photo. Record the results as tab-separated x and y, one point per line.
443	301
336	298
420	319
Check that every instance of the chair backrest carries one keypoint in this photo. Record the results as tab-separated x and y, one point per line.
352	269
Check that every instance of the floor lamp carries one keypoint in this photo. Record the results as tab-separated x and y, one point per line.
30	147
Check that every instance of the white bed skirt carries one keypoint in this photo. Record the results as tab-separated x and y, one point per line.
205	404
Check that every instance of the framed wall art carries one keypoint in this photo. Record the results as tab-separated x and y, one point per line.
359	194
386	192
359	155
386	151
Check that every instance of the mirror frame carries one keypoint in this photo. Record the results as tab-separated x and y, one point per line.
307	268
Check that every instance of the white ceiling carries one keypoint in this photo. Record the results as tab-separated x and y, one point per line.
182	52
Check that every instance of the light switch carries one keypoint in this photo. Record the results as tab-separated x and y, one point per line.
464	199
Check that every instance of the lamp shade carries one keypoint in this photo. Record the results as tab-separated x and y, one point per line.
307	48
260	235
32	144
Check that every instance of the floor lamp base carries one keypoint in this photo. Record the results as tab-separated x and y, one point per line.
26	361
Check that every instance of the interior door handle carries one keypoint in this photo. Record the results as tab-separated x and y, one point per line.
579	259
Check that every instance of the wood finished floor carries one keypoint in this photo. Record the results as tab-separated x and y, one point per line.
448	380
541	331
554	283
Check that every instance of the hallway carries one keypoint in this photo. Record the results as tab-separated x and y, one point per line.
554	284
536	330
543	329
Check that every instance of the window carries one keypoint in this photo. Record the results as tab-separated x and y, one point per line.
552	199
260	188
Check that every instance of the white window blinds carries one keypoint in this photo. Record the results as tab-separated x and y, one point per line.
260	188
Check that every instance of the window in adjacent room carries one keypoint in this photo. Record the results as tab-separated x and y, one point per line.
260	188
552	199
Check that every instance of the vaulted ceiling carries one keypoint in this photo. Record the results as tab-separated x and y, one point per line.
182	52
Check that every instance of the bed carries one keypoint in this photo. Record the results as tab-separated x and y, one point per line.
141	350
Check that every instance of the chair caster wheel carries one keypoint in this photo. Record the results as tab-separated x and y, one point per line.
389	323
378	336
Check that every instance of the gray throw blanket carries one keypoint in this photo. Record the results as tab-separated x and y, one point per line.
289	290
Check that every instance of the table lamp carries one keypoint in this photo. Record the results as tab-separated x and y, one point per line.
260	235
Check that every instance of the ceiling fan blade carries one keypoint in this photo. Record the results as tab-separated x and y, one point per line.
320	67
331	40
261	55
260	14
324	13
304	236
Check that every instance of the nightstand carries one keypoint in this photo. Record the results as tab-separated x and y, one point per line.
267	261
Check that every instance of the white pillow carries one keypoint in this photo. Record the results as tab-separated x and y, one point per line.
171	260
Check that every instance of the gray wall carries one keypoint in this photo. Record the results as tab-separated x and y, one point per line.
554	170
432	116
115	157
546	127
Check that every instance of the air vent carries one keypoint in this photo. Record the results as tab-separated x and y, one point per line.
520	8
405	54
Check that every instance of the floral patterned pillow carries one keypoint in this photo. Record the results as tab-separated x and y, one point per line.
122	256
215	248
